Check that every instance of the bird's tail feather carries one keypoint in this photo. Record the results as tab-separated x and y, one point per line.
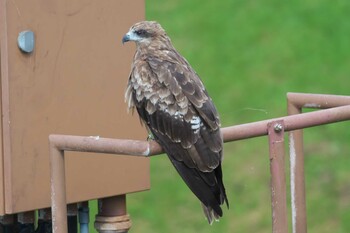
210	214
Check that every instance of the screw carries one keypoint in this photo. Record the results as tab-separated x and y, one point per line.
278	127
26	41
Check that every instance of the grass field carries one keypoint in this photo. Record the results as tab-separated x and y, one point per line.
250	54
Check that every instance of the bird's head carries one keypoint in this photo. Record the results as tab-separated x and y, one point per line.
144	32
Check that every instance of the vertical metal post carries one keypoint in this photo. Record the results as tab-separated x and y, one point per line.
297	176
278	177
112	215
84	217
58	184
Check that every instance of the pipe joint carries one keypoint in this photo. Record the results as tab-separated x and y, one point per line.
115	224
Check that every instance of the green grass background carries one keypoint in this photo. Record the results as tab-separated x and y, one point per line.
249	54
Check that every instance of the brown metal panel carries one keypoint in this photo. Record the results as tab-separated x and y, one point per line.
73	83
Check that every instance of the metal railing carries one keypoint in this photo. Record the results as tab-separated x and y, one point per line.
339	110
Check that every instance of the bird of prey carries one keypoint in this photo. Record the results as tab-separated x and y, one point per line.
173	103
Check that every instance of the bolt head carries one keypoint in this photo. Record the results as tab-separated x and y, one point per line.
26	41
278	127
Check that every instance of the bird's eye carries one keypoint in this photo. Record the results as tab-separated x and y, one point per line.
141	32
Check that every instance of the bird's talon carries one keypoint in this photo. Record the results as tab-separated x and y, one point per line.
150	137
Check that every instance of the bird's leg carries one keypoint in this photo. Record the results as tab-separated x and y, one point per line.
150	136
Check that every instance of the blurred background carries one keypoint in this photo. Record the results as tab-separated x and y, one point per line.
250	54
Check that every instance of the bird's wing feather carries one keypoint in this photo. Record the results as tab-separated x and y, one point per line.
198	165
174	104
178	75
179	97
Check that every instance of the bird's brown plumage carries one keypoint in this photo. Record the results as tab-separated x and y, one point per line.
172	101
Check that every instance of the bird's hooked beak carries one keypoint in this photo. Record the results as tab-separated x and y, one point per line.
126	37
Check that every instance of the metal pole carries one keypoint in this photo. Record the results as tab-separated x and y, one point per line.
60	143
294	122
112	215
58	190
297	101
319	101
84	217
278	177
297	175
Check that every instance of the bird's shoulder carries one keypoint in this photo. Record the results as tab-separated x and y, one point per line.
173	102
172	83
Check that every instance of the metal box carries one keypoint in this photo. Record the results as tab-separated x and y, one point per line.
71	83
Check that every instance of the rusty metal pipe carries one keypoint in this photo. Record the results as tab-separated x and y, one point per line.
294	122
296	102
296	163
58	189
278	177
105	145
112	215
107	206
232	133
84	217
302	100
60	143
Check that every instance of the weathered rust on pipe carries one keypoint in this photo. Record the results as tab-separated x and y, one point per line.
107	206
232	133
58	189
278	177
105	145
297	101
112	215
319	101
60	143
297	174
305	120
